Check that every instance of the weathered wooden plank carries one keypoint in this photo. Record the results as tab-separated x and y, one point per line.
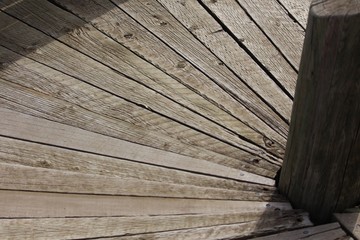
350	222
105	78
41	78
22	204
74	32
230	231
19	177
253	39
321	170
141	41
331	231
160	22
200	23
31	154
337	234
73	228
21	126
297	9
74	91
61	111
274	21
31	102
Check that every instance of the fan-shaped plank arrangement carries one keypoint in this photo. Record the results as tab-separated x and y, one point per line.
129	119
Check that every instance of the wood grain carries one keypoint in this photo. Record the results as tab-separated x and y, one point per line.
233	231
34	103
17	177
122	86
331	231
44	156
73	228
350	222
274	21
151	14
23	204
41	78
163	119
22	126
200	23
67	113
71	31
142	42
321	170
298	9
253	39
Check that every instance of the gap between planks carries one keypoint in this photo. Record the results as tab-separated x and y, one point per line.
206	126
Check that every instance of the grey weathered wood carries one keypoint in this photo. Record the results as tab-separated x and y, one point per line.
142	121
113	54
330	231
18	177
157	19
274	21
50	157
95	73
30	128
24	204
141	41
31	102
321	169
253	39
298	10
200	23
230	231
74	228
350	222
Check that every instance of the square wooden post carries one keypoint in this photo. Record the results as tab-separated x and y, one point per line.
321	170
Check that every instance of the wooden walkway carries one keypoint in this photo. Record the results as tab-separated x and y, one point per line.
165	119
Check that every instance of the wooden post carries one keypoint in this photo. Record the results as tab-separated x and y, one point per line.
321	170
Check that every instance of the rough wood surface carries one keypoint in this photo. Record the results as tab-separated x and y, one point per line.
152	119
23	204
28	101
105	78
143	43
350	222
73	228
17	177
200	23
330	231
72	31
232	231
321	169
21	126
161	82
32	102
253	39
299	10
152	14
43	79
274	21
45	156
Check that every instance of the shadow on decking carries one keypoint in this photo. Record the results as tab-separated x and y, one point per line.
18	36
350	221
27	26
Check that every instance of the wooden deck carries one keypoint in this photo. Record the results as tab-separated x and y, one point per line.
129	119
